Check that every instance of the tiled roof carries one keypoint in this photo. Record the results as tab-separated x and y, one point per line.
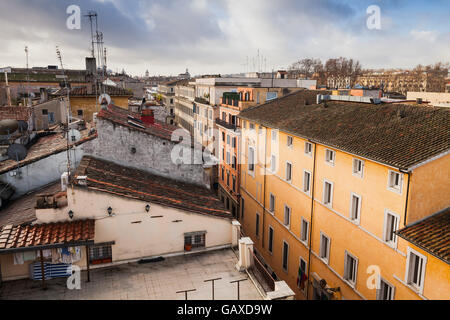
14	237
43	148
177	82
431	234
396	135
111	178
110	90
22	210
15	113
126	118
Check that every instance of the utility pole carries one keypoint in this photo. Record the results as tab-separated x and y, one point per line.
8	90
28	78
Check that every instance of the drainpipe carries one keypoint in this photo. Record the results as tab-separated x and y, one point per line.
407	196
264	194
313	178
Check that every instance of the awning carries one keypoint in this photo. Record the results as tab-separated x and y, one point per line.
46	236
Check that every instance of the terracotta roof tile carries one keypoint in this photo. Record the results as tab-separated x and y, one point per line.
111	178
124	117
13	237
397	135
431	234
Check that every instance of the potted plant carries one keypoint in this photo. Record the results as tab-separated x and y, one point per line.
188	247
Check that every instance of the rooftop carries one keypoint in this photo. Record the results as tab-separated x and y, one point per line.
110	90
15	113
431	234
111	178
132	120
43	148
22	210
397	135
152	281
29	237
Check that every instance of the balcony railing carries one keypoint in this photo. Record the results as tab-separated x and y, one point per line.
225	124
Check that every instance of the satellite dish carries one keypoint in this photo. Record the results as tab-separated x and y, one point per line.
8	126
74	135
23	126
104	99
17	152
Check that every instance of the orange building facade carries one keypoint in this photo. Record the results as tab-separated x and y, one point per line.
324	219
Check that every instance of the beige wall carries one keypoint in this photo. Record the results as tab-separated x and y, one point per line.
148	238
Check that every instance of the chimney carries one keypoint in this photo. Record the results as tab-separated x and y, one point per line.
148	116
91	69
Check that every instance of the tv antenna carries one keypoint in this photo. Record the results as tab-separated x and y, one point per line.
66	128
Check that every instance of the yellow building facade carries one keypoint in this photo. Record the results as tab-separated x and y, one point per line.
324	220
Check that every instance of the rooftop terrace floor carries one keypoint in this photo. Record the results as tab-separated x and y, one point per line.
152	281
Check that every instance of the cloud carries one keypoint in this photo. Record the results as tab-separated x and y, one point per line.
220	36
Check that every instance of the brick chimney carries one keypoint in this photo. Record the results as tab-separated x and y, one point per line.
148	117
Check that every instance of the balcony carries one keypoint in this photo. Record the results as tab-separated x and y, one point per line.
225	124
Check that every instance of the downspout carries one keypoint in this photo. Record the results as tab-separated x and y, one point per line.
313	178
407	197
264	193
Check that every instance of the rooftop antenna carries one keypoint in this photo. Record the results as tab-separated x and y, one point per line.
66	129
92	15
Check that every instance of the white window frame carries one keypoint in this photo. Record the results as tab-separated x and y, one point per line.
330	204
380	278
268	239
358	174
413	286
309	185
284	216
291	140
304	291
325	259
393	243
273	161
328	151
304	241
286	173
346	271
308	153
393	189
271	195
358	219
251	172
287	258
257	224
274	135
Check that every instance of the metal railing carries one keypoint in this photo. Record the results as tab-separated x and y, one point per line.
264	277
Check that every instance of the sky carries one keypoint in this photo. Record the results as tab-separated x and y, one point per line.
219	36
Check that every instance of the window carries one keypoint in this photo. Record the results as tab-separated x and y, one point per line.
195	239
252	126
385	290
330	156
306	182
234	184
233	142
355	208
395	181
244	124
415	269
302	275
228	157
350	268
257	225
228	178
228	139
44	112
223	136
80	113
287	216
308	148
171	101
304	232
324	253
391	222
288	171
272	203
223	153
100	254
273	163
274	135
223	174
285	255
242	208
328	193
290	141
270	246
358	168
251	159
234	162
